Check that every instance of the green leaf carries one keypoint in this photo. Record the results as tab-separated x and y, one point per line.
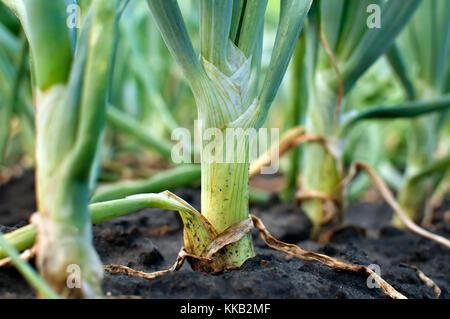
215	23
354	26
183	175
8	41
394	16
252	22
439	165
331	16
27	271
236	21
404	110
398	63
427	42
292	17
49	40
95	85
170	22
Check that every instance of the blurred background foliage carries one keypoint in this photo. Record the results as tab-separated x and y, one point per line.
148	86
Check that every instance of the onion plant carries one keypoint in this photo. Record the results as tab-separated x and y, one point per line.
352	43
425	46
69	92
225	84
366	140
73	98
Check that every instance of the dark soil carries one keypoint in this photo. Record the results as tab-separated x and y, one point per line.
150	240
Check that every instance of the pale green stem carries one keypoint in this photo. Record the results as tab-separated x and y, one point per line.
320	171
69	121
252	22
183	175
215	22
398	63
413	193
422	141
224	202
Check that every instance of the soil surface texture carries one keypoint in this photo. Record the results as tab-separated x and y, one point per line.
149	240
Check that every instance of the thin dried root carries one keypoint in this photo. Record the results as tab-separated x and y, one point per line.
120	269
232	234
389	198
334	263
425	279
26	255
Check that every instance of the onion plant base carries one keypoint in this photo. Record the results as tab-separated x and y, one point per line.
321	172
321	200
412	198
80	262
225	200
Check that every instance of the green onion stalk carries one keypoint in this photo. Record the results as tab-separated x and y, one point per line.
425	44
225	82
69	92
295	114
355	34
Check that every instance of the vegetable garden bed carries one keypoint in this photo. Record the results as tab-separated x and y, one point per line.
143	148
149	240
